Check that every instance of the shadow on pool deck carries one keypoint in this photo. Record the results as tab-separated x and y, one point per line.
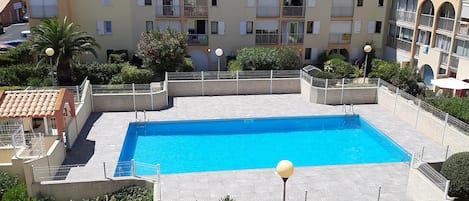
83	149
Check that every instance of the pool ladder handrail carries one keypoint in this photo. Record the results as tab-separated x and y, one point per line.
350	107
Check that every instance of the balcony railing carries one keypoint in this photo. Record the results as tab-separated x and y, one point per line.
445	23
268	11
444	57
342	12
454	63
267	39
197	39
168	11
339	38
292	38
403	45
426	20
293	11
406	16
195	11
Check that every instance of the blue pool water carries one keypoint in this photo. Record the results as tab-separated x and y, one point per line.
237	144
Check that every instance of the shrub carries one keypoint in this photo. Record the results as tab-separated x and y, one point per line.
97	73
6	182
226	198
17	193
131	74
116	58
262	58
19	74
129	193
234	66
456	169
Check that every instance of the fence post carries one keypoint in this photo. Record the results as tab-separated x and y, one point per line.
379	192
151	98
342	95
444	129
78	93
412	160
104	170
306	195
91	94
379	82
447	151
237	84
133	95
132	167
202	83
271	77
325	92
418	113
421	153
395	100
446	189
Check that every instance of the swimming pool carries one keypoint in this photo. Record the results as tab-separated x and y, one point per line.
239	144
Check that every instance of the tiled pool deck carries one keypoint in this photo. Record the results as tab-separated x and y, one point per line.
350	182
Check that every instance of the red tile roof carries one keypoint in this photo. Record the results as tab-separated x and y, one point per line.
35	103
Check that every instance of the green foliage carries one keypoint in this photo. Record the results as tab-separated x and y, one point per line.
163	51
117	58
130	193
226	198
452	105
336	56
6	183
261	58
188	65
384	69
130	74
19	55
17	193
97	73
407	79
21	74
67	41
456	169
325	75
234	65
337	68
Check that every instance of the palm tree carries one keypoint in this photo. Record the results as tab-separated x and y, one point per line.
67	42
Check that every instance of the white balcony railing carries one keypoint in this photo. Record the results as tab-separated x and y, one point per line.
341	38
403	45
445	23
406	16
268	11
293	11
168	11
195	11
197	39
342	11
426	20
270	38
292	38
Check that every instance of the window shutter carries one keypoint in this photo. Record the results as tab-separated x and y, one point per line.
141	2
100	27
357	27
242	28
311	3
371	27
251	3
316	27
221	28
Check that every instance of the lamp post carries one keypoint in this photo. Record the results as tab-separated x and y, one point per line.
50	52
218	52
367	50
284	170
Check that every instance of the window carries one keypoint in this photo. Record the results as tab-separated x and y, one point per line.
249	25
147	2
380	3
309	27
214	27
308	54
378	27
104	27
214	2
43	8
149	26
359	3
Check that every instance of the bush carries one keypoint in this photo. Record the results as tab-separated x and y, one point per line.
262	58
456	169
17	193
131	74
18	75
452	105
97	73
234	66
129	193
226	198
6	183
116	58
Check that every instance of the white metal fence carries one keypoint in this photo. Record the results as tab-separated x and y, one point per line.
77	90
215	75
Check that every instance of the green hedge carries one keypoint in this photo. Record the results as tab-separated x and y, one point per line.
24	75
7	182
456	169
130	193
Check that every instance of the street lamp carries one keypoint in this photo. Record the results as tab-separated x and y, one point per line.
50	52
218	52
284	169
367	50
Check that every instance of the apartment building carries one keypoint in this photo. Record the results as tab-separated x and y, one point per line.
311	26
432	35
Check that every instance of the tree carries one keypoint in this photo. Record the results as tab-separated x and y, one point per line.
384	70
262	58
66	40
163	51
407	79
456	169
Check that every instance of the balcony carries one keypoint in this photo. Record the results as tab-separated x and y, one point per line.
454	63
391	42
342	38
197	39
168	11
267	39
268	11
463	28
293	11
445	23
292	38
195	11
426	20
342	12
406	16
403	45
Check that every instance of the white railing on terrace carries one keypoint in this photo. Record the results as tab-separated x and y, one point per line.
77	90
12	136
126	88
214	75
340	83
